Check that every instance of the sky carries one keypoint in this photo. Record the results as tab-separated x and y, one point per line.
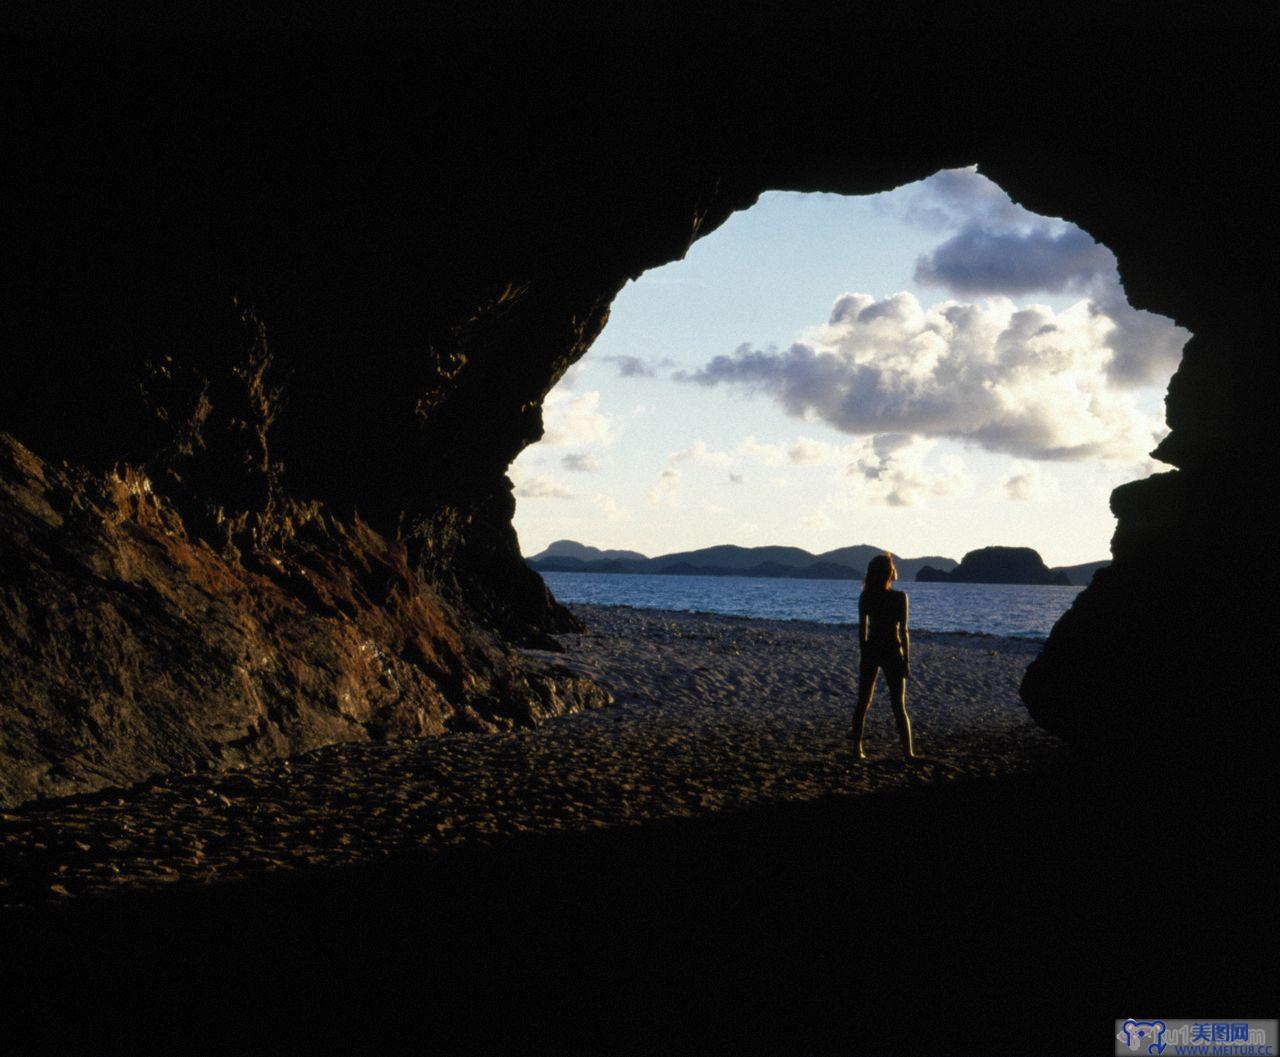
930	370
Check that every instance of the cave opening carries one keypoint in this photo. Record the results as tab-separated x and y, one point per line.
932	370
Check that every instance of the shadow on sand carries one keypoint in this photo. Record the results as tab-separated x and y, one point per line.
1012	916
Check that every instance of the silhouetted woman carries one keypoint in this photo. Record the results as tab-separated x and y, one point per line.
886	646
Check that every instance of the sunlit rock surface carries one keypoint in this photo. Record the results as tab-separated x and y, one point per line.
130	647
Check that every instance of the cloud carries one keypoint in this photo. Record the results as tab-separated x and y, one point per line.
574	419
981	261
638	367
666	492
735	478
580	462
807	452
571	376
955	198
818	521
767	454
1028	382
890	470
803	451
1027	482
699	453
612	510
1145	347
541	486
1000	248
878	453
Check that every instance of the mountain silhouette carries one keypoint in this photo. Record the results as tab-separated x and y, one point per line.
997	565
583	553
844	563
1081	575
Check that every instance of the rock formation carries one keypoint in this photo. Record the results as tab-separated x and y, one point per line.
131	646
1081	575
997	565
425	234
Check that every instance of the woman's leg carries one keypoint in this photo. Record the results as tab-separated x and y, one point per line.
898	698
866	688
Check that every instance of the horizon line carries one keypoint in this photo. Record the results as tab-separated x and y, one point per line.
816	554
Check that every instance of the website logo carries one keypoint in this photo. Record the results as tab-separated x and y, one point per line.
1137	1034
1163	1037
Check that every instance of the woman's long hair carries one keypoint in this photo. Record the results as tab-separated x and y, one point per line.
880	573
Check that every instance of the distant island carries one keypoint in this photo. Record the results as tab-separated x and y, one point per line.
583	553
1081	575
844	563
997	565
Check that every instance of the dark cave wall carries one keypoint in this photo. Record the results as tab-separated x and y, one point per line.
130	646
426	234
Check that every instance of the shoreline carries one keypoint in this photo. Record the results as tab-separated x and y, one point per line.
713	715
923	633
1023	611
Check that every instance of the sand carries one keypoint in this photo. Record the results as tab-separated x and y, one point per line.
712	714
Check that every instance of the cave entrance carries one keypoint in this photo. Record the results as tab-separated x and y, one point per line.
932	370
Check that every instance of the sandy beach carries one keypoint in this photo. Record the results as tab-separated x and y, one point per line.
700	867
711	714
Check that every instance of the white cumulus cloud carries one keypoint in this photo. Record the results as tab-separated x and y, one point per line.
574	419
666	491
610	507
540	486
699	453
997	247
1026	381
1027	482
956	197
807	452
891	470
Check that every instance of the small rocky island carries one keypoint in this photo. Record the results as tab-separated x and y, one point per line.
997	565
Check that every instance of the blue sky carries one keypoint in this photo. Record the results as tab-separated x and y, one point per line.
986	383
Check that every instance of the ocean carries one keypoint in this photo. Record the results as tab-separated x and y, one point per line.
994	609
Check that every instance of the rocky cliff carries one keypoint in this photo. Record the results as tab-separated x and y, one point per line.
425	234
130	646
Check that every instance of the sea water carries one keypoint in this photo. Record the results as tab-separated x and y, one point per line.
994	609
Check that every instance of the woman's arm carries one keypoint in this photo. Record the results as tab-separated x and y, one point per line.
862	624
905	636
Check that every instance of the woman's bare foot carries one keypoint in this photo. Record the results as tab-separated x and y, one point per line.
859	751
